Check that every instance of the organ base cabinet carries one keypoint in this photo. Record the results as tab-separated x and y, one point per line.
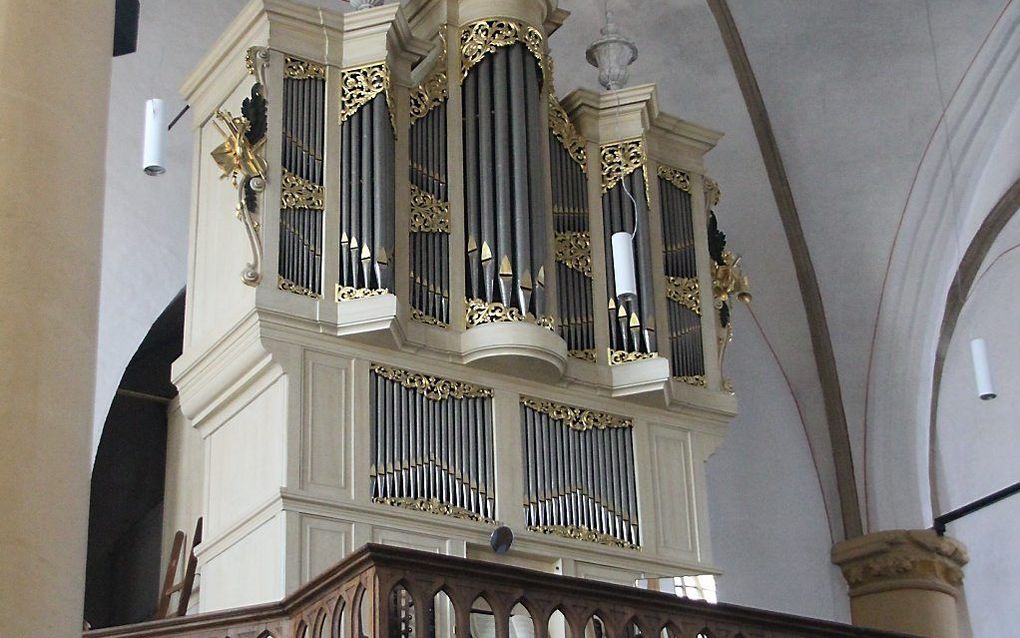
402	324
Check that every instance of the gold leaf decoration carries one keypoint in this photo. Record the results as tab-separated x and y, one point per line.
347	293
585	355
432	506
428	214
729	280
685	291
573	250
285	284
432	388
676	177
479	39
622	356
298	69
619	160
433	89
421	317
297	192
480	312
567	133
694	379
582	534
579	419
358	86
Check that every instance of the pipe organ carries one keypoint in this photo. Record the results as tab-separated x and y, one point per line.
427	340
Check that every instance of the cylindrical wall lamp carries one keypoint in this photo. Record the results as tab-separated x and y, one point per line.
623	266
982	371
155	137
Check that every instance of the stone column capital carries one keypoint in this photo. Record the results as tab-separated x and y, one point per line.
901	559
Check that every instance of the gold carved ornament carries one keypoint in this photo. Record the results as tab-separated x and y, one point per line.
480	312
241	158
428	214
573	250
729	280
432	506
579	419
676	177
359	85
567	133
617	357
479	39
432	388
433	89
587	354
582	534
349	293
619	160
421	317
297	69
698	380
286	284
298	192
685	291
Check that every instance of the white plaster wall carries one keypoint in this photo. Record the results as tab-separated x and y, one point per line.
977	443
770	534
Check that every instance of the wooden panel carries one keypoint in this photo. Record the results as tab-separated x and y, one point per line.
325	422
674	496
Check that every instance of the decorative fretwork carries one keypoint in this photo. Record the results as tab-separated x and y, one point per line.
299	69
480	312
622	356
421	317
676	177
290	286
567	133
359	85
432	388
481	38
694	379
428	214
580	419
619	160
685	291
582	534
433	89
432	506
573	250
297	192
587	354
348	293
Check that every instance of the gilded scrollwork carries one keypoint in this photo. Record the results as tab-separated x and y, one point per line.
359	85
285	284
298	69
617	357
567	133
676	177
685	291
421	317
619	160
348	293
433	89
587	354
582	534
481	38
432	506
297	192
428	214
573	250
432	388
694	379
575	418
480	312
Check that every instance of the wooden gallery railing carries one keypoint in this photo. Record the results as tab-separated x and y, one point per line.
477	598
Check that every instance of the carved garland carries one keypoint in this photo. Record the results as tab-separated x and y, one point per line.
359	85
297	192
573	250
433	90
676	177
578	419
582	534
567	133
432	388
480	312
685	291
432	506
428	214
481	38
619	160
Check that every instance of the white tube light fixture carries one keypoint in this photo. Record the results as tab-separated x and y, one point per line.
982	371
623	266
155	137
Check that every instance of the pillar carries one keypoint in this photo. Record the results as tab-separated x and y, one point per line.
54	90
907	581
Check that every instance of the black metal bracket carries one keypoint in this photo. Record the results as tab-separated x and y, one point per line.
944	519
